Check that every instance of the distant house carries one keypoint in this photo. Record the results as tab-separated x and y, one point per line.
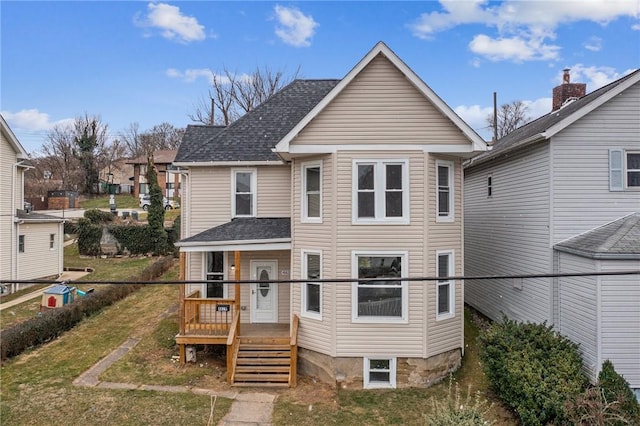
30	243
562	195
359	180
169	177
117	177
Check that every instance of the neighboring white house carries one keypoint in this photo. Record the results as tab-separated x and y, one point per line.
537	197
353	179
30	243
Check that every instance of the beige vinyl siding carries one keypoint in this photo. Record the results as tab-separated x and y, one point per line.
509	234
38	261
7	249
581	196
447	334
380	106
210	197
578	299
316	335
620	312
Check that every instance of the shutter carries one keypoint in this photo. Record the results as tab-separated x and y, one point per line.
616	175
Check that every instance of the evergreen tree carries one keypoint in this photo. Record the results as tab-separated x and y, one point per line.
155	215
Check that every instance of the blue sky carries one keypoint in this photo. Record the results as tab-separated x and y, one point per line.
150	62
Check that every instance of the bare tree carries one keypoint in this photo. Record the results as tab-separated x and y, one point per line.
90	137
231	95
510	117
131	140
59	161
160	136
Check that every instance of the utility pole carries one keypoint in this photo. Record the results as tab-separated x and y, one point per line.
495	117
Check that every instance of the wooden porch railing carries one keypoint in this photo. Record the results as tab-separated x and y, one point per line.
233	345
293	371
207	317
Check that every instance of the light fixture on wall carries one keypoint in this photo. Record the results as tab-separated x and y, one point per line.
233	267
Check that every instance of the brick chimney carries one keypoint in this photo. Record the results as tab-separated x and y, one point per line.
567	90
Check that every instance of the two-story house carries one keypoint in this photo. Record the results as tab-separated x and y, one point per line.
561	195
168	176
354	182
30	243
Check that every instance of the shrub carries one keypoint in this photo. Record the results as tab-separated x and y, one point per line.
593	408
97	216
70	227
89	236
36	331
135	238
456	411
532	369
616	388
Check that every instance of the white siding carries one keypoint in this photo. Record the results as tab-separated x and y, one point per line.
38	260
509	234
578	298
620	311
581	196
7	248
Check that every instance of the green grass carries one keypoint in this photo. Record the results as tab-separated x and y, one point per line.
123	201
37	386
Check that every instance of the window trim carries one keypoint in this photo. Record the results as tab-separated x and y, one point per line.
303	286
254	191
21	243
451	283
627	170
404	318
225	275
379	191
52	241
305	218
451	186
366	373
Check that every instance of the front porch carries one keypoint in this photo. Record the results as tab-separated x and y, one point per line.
257	354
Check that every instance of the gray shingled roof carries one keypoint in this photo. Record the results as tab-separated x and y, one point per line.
37	217
252	137
545	122
616	240
244	229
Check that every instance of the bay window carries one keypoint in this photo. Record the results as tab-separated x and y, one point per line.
311	292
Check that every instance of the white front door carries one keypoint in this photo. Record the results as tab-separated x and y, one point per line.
264	296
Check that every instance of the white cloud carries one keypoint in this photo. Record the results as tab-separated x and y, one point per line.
594	44
539	107
527	24
295	28
190	75
32	120
635	27
172	24
476	117
594	77
516	48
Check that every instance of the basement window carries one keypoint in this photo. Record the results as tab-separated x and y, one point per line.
379	373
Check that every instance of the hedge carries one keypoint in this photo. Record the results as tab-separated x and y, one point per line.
532	369
36	331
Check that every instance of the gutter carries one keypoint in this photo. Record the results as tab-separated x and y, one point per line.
475	161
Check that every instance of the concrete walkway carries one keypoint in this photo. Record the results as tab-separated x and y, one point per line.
247	409
66	276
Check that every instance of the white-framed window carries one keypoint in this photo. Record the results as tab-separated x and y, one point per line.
214	271
52	241
243	197
386	299
20	243
312	192
311	293
445	289
624	170
380	191
379	372
444	191
489	185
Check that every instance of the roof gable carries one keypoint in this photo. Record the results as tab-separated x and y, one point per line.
382	49
554	122
12	139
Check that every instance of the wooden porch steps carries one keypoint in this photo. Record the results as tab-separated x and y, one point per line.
263	363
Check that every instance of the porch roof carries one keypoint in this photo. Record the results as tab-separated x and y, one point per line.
250	233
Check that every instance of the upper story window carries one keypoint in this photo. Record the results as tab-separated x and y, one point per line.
445	293
380	191
312	192
213	273
244	193
624	170
21	243
489	186
384	300
312	292
52	241
444	191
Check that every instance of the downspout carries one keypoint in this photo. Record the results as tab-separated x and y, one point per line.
14	227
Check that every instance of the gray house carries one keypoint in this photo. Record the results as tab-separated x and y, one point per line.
561	195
